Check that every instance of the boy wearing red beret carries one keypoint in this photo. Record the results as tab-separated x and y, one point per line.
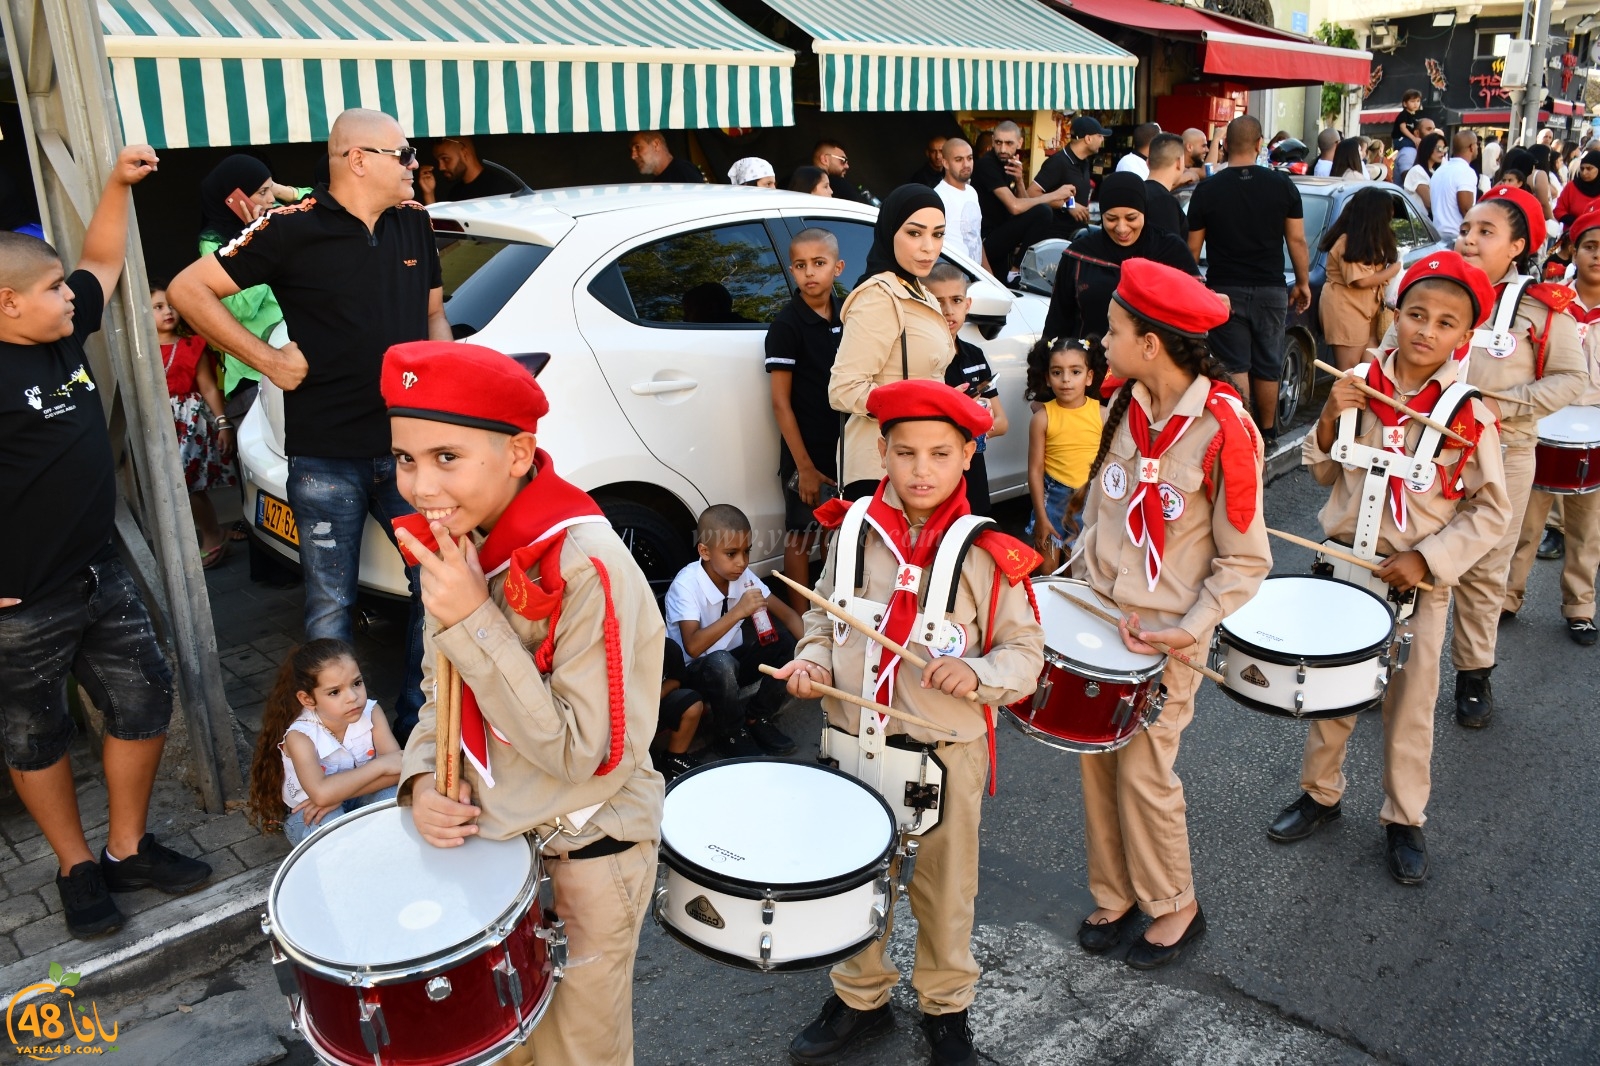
909	536
1433	528
557	638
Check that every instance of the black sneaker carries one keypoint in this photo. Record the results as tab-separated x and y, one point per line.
155	867
950	1037
1582	631
738	745
769	737
835	1029
86	903
1474	698
673	764
1552	545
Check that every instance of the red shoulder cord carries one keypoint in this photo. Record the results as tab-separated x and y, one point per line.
1541	344
544	659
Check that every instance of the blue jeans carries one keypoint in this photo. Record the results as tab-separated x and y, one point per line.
295	828
722	675
331	499
1057	498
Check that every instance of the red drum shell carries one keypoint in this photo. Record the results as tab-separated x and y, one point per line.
1063	714
1564	470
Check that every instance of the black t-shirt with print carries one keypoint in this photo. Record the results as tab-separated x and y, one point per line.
58	489
803	344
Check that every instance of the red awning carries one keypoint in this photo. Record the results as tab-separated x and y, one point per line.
1569	107
1234	49
1494	117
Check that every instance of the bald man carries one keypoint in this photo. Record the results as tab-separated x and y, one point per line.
649	152
1454	186
1198	153
355	269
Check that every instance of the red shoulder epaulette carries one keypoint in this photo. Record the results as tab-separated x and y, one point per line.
831	514
1240	453
1012	557
1109	386
1556	297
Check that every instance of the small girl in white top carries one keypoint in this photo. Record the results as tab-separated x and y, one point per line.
325	749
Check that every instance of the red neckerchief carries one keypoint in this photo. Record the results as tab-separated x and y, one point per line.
1146	524
530	534
891	523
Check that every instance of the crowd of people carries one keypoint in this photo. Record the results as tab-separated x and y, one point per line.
1152	402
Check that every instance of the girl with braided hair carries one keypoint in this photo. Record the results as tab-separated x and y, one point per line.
1175	538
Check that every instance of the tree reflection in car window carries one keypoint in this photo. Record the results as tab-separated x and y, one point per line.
724	275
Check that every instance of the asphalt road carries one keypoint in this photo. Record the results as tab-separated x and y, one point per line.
1313	955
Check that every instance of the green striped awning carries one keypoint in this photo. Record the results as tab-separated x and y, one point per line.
189	73
959	55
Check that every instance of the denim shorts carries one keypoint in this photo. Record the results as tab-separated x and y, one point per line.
1057	497
1251	341
295	828
94	627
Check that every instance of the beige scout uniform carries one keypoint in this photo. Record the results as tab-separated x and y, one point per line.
1451	535
559	733
1134	810
876	315
945	888
1579	520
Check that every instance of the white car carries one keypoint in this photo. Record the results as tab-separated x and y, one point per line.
656	417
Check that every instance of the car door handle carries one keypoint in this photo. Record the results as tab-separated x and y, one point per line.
657	388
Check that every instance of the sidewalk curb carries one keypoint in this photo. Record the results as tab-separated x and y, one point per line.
183	937
1286	457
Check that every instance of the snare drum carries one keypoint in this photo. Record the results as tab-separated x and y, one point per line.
775	865
1306	647
1566	461
1094	694
396	953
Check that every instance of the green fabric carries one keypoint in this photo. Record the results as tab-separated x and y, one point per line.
257	311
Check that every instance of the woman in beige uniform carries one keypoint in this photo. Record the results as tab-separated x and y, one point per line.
1528	353
893	329
1176	539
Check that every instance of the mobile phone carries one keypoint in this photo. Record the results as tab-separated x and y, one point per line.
239	203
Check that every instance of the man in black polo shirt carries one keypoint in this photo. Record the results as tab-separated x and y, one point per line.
67	603
649	152
355	269
1073	166
455	159
1012	220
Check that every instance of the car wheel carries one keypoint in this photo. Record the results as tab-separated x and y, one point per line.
1298	373
659	549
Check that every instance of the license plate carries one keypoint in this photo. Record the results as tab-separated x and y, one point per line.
274	516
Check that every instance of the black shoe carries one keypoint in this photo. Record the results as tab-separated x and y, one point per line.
86	903
1507	616
1099	938
1302	818
673	764
155	867
1407	854
1582	631
1552	545
1269	440
1147	956
1474	698
835	1029
950	1037
771	739
738	745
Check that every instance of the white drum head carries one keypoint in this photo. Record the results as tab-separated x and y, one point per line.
1078	636
775	823
1571	425
371	892
1312	617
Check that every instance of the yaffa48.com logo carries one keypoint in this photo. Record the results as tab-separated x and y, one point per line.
45	1020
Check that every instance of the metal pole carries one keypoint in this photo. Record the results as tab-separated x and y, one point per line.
1533	95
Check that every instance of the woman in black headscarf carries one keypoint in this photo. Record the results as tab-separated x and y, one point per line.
1582	193
893	329
1091	267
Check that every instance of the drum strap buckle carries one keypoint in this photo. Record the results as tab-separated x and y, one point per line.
555	938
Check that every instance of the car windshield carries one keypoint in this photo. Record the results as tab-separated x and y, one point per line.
481	275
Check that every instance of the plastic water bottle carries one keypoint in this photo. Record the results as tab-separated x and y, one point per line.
766	632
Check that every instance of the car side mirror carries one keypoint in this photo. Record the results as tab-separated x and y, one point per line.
533	362
989	308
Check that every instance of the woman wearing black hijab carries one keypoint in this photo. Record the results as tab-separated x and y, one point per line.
1091	267
893	329
1582	193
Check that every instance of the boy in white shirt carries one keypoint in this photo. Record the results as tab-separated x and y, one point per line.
728	624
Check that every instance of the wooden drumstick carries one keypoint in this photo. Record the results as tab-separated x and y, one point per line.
888	712
1417	416
1503	398
1336	553
447	727
1111	619
859	626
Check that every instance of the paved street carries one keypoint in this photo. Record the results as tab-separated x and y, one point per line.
1314	955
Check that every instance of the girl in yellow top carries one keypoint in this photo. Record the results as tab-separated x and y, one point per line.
1062	437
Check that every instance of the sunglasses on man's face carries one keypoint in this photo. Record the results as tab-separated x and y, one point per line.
406	155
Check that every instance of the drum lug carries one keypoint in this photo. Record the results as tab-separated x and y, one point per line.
546	892
766	951
283	970
1218	659
880	919
1299	702
438	988
266	925
1041	694
1124	713
555	938
768	909
1157	704
1091	689
908	865
1403	651
507	983
374	1030
1300	674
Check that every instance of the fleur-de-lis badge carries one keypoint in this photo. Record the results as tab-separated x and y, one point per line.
408	379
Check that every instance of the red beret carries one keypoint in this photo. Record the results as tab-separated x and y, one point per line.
463	384
1585	223
1531	209
1451	267
917	399
1170	298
